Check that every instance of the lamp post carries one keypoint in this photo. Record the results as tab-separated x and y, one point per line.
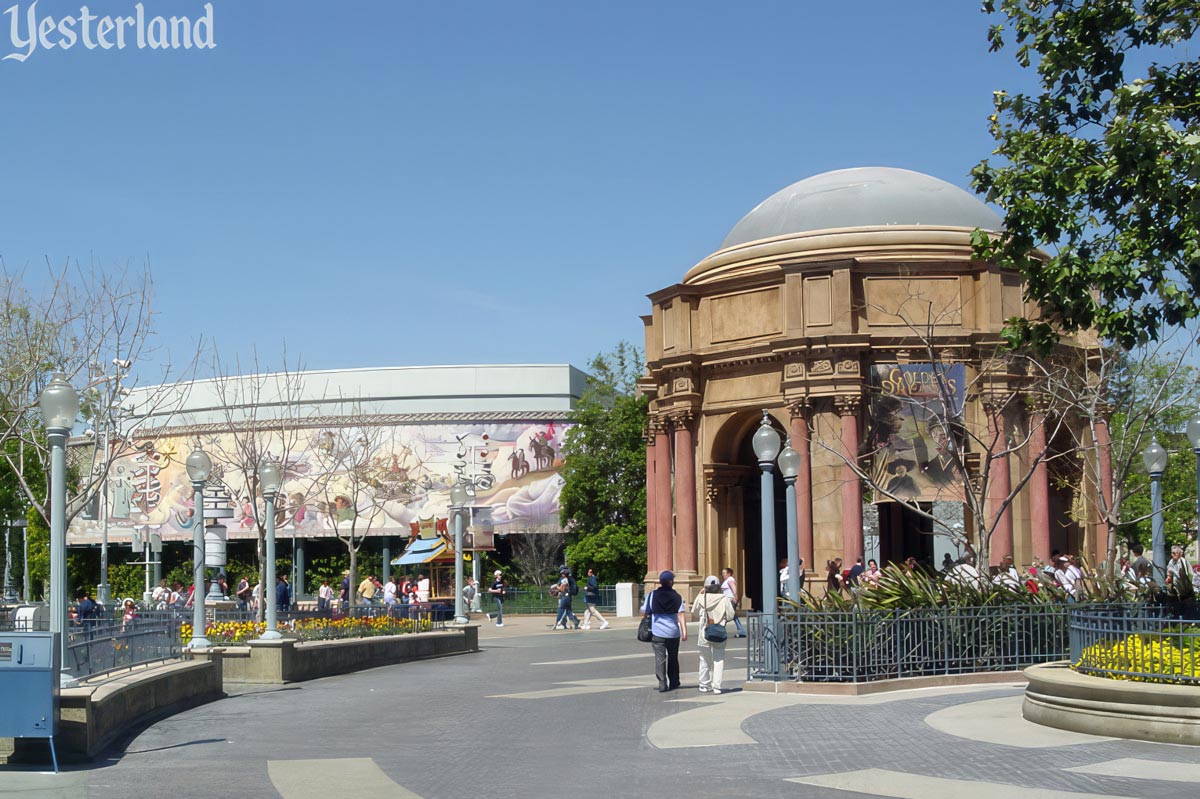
766	449
1155	458
25	591
270	478
1193	434
199	467
789	467
10	590
60	407
458	501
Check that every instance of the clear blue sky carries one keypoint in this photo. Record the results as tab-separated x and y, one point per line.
396	182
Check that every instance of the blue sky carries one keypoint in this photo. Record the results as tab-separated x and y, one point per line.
381	183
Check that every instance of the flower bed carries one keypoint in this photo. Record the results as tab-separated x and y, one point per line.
320	629
1173	657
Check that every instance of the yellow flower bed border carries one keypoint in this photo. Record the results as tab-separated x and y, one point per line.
238	632
1144	657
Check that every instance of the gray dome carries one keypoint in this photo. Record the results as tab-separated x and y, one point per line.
872	196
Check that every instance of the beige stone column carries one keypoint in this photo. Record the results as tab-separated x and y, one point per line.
663	522
801	442
1039	489
651	508
685	497
999	485
847	408
1104	443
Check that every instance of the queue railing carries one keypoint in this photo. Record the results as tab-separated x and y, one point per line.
865	645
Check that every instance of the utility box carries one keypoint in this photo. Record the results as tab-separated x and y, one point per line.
29	680
625	606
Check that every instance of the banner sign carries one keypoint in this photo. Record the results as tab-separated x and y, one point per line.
910	442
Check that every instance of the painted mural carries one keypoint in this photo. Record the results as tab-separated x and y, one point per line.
391	480
910	445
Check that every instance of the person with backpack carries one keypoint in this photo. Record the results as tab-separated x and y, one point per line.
716	611
567	589
591	597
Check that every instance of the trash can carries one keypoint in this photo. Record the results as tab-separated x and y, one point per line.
29	682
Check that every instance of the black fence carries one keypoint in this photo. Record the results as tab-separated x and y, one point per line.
1142	643
97	647
867	645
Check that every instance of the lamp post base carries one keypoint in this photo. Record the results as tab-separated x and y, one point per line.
66	680
270	635
199	642
102	594
461	620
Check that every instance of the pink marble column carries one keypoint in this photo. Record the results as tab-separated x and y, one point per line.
685	496
802	444
663	555
999	486
651	508
1039	490
1104	443
851	488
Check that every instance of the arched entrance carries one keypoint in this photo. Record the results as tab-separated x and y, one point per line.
742	508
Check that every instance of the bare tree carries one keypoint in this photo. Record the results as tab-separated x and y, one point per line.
96	329
537	555
1124	398
1013	421
263	415
348	456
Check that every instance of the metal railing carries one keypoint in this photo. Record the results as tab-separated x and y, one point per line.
867	645
96	647
1144	643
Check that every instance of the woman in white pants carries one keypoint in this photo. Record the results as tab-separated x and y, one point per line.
714	607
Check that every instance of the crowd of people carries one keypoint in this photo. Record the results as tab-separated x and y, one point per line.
1068	572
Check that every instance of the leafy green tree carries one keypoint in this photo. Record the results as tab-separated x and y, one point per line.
603	501
1098	166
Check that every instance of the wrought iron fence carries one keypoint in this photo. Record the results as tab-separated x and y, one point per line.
96	647
1144	643
866	645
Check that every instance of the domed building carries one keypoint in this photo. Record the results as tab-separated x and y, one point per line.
814	297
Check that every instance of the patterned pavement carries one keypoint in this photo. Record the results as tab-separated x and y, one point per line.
541	711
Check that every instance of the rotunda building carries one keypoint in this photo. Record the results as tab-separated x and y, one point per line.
817	298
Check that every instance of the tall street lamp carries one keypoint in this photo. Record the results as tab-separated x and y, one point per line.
766	449
60	407
789	467
199	467
1155	458
458	501
1193	433
270	479
10	590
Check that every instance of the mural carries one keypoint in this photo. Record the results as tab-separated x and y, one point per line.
382	480
911	448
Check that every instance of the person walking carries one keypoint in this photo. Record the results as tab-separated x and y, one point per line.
567	588
591	598
469	594
244	593
714	608
283	594
668	628
729	588
324	597
499	592
366	591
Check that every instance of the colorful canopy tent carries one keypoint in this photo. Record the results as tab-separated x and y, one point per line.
422	550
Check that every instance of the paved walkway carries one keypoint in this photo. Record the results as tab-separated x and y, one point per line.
542	711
